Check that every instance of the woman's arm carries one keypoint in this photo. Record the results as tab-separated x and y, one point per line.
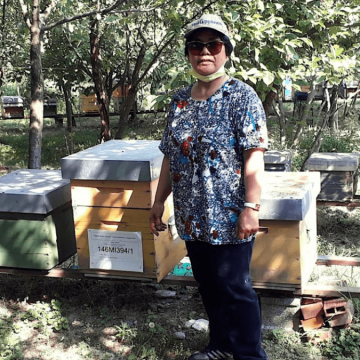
248	222
162	193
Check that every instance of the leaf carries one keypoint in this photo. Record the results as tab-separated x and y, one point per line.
268	78
253	71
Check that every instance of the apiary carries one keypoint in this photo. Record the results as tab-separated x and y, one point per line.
339	174
36	220
113	187
286	252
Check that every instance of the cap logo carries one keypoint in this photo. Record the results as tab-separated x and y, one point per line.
206	22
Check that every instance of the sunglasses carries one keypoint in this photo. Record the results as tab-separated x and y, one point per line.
196	47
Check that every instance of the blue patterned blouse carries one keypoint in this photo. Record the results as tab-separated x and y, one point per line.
204	141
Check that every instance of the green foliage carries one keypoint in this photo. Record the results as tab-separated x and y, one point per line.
9	343
335	143
46	315
330	143
344	344
125	333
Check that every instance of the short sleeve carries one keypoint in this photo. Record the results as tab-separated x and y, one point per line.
164	143
252	130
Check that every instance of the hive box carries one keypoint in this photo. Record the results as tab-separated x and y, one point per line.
36	220
339	174
287	252
278	160
113	187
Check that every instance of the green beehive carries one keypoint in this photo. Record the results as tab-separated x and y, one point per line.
36	220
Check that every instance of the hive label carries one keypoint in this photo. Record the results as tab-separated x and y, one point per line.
115	250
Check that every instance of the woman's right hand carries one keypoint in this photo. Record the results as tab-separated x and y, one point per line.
155	217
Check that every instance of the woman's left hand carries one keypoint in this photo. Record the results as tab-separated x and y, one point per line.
247	224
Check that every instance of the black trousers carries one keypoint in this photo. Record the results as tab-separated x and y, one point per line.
222	272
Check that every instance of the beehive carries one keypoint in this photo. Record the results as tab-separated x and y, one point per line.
12	107
287	252
276	160
339	174
36	220
88	104
113	187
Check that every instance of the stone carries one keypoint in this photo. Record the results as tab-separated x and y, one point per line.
201	325
165	293
189	323
180	335
109	331
77	323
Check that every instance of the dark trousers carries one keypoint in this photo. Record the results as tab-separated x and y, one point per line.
222	272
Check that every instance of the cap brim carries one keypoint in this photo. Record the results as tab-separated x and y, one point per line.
203	27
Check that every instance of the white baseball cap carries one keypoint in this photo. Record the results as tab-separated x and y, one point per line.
209	21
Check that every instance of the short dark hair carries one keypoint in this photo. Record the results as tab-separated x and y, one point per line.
225	39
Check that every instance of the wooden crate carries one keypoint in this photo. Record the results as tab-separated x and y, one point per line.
120	205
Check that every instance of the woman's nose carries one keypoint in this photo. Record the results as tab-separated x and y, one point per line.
205	51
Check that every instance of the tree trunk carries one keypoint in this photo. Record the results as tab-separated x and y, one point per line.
128	105
130	99
315	147
334	118
69	120
282	123
270	97
304	115
37	91
96	66
2	36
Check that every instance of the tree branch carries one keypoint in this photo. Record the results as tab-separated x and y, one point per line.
48	10
25	12
84	15
140	10
83	67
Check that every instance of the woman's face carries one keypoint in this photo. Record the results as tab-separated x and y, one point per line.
205	63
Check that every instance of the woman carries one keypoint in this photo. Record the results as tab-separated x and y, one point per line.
213	146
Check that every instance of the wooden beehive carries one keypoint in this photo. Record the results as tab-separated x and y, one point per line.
113	187
88	104
12	107
36	220
50	107
339	174
287	252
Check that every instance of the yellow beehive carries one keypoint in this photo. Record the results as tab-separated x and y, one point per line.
111	216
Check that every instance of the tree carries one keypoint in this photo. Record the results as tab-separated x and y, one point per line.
35	21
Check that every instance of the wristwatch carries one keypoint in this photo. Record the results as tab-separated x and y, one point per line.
254	206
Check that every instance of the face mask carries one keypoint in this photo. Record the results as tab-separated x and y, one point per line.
208	78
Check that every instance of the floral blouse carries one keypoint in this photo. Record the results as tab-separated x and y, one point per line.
204	141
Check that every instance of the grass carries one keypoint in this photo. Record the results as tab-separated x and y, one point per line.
14	143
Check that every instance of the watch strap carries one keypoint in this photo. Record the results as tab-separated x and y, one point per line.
252	205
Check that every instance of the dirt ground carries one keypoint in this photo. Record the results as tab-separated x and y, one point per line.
51	318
